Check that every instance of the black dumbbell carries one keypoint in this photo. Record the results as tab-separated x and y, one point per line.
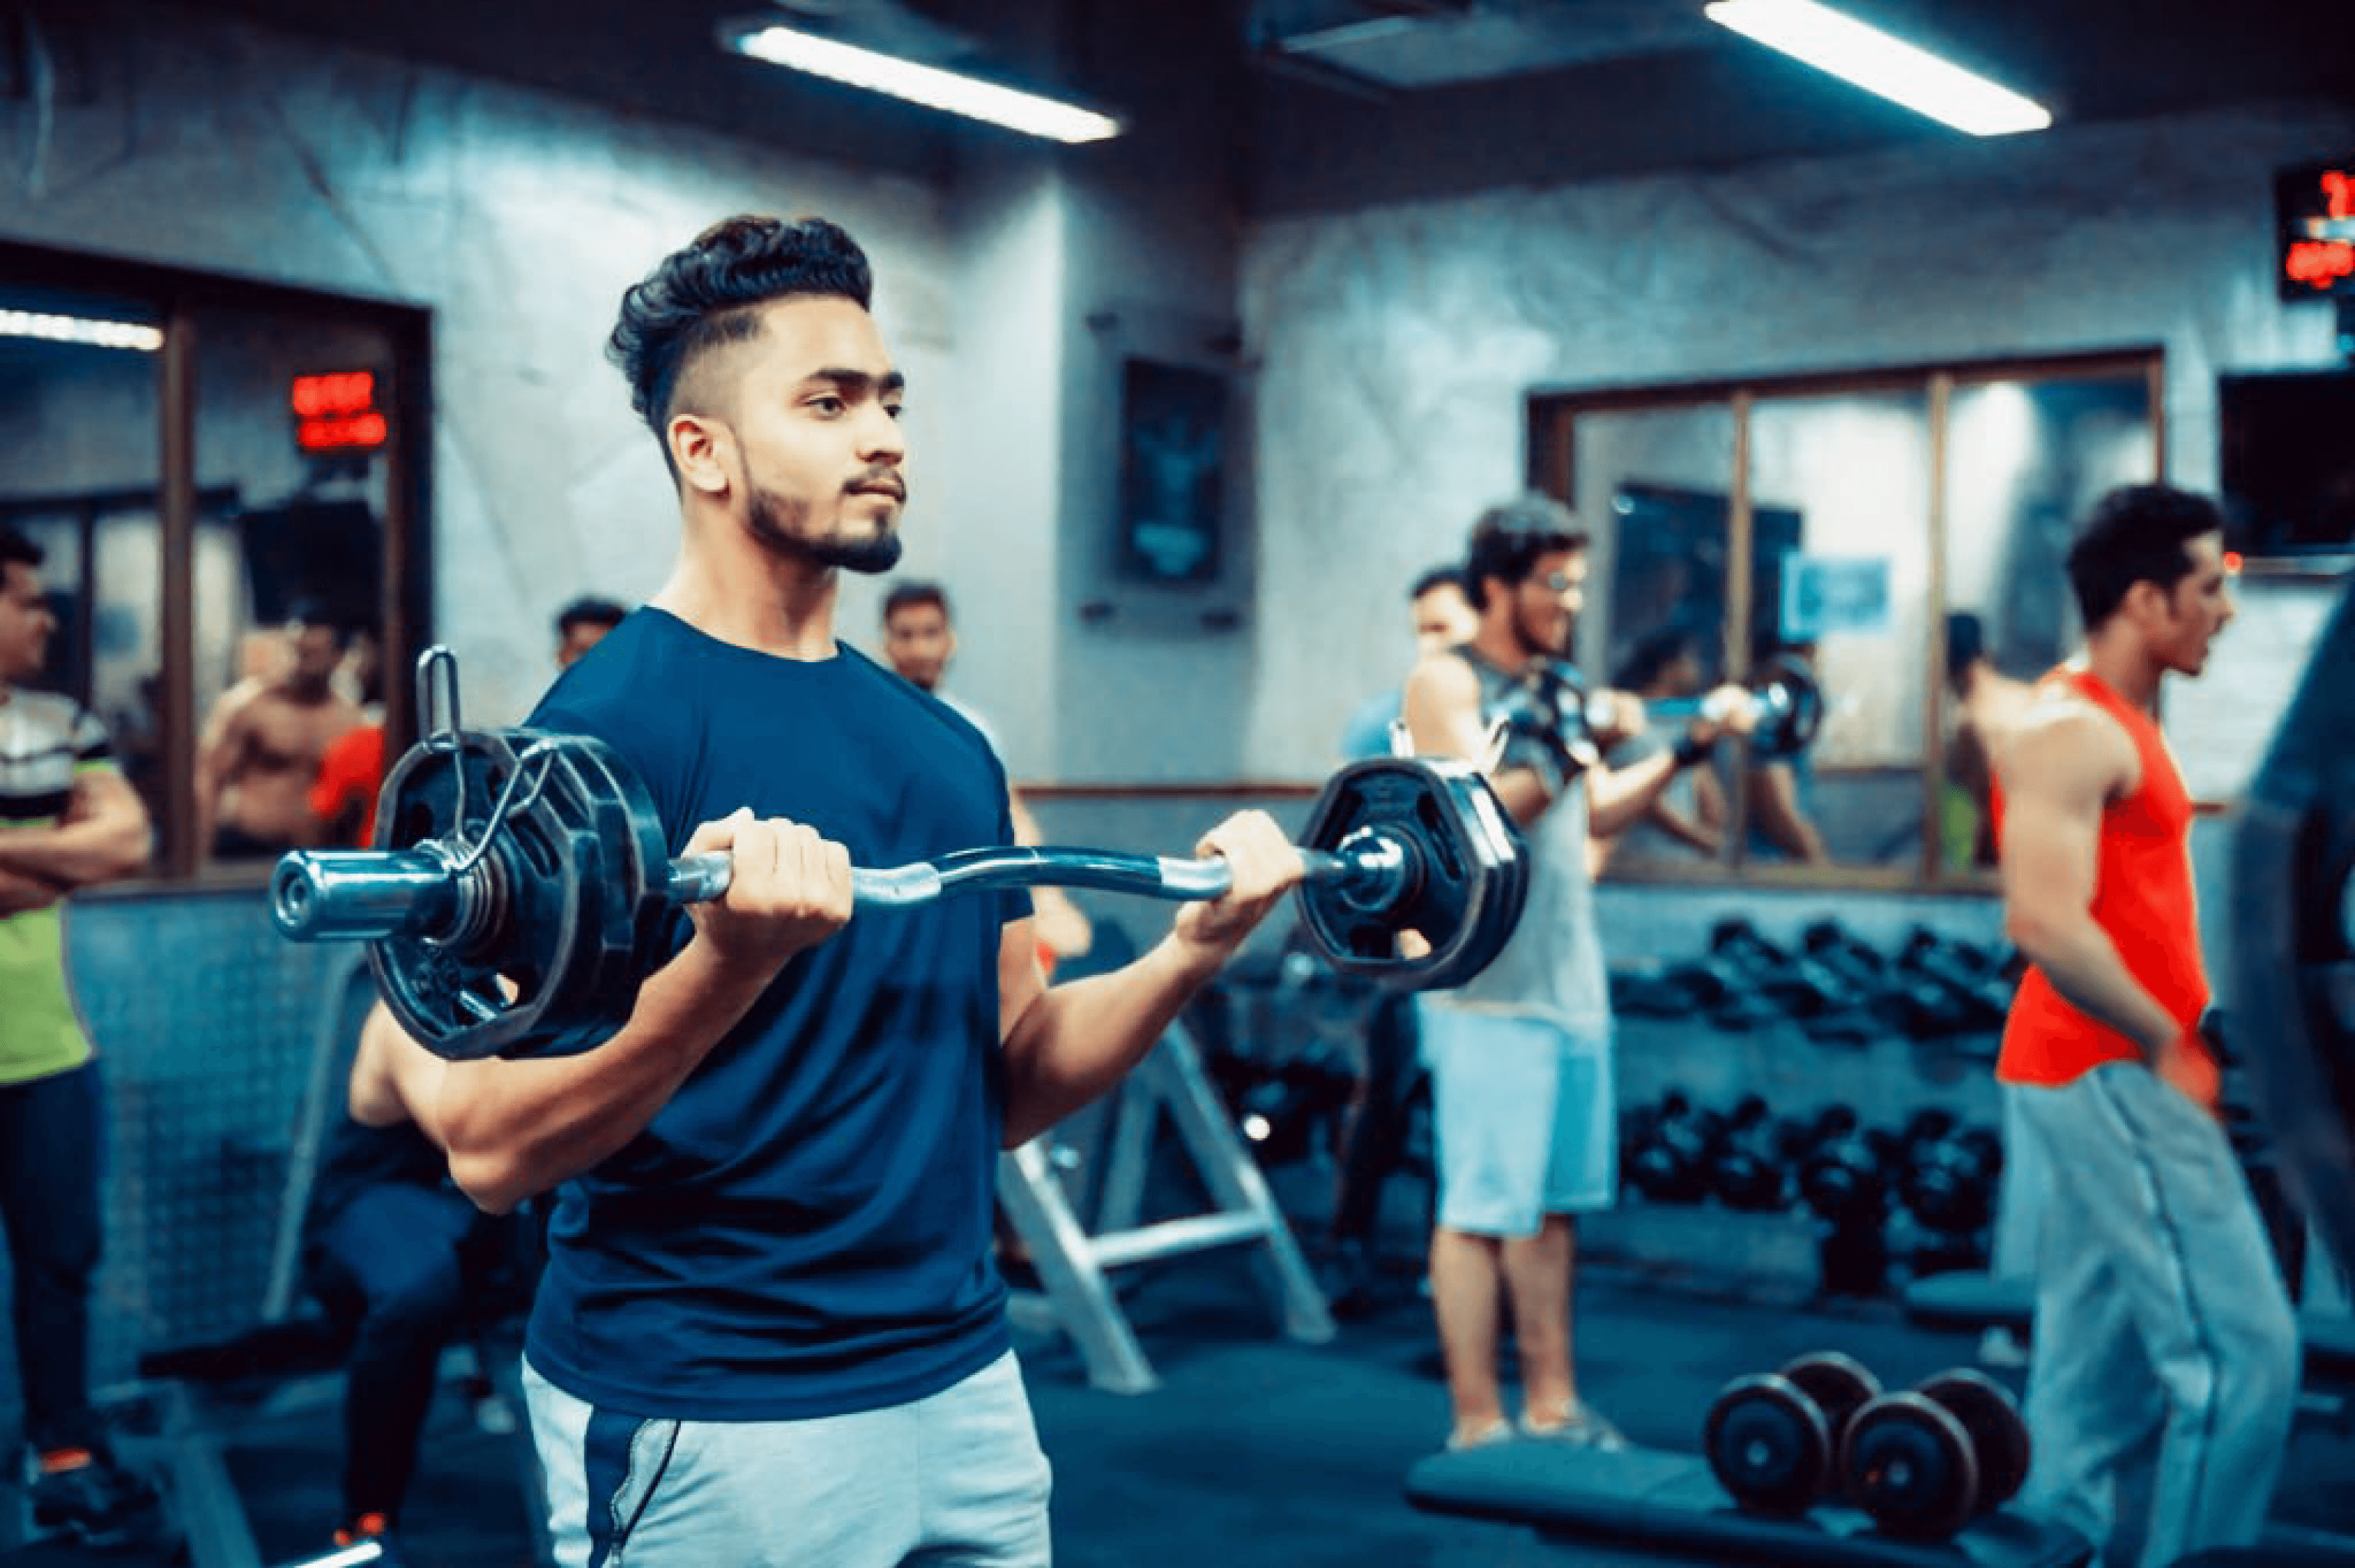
1976	980
1815	994
1845	1170
1925	1462
1949	1183
1774	1440
1669	1162
1905	1002
1752	1166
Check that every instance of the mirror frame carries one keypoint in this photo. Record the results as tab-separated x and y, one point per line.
1552	467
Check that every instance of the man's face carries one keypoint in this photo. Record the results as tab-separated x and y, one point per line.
2195	609
918	642
815	411
1545	603
25	623
317	651
578	638
1444	618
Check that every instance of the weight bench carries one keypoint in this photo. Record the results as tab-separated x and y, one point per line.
1648	1499
1970	1301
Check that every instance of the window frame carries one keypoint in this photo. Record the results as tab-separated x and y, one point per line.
178	297
1552	467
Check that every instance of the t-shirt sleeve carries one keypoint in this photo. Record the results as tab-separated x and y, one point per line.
1014	903
93	746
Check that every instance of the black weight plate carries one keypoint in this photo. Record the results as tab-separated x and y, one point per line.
1768	1445
550	955
1796	711
1840	1385
1910	1466
447	994
1466	881
1999	1433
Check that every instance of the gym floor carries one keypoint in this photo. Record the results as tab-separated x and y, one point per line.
1256	1452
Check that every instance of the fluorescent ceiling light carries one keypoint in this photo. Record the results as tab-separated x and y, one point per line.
1870	58
928	85
96	334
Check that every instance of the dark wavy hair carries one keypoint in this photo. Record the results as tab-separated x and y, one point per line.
709	294
15	549
1508	539
2136	533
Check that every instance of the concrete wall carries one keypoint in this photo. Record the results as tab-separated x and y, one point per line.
1384	359
1397	345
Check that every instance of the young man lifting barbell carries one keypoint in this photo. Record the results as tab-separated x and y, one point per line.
769	1279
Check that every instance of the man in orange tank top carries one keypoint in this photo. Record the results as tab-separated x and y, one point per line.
2159	1307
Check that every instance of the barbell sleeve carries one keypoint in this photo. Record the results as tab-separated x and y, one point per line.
345	895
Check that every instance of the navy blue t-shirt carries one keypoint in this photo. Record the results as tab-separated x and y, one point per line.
804	1228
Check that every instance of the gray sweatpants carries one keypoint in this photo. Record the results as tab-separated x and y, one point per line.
955	1480
2159	1308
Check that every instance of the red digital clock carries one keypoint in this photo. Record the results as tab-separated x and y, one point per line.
337	412
2313	210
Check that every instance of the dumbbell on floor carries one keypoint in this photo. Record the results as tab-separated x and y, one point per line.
1774	1440
1925	1462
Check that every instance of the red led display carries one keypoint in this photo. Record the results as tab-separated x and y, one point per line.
2314	212
337	412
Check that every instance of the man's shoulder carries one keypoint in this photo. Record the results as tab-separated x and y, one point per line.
47	720
2062	742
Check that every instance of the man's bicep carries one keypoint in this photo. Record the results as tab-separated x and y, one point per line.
1019	979
1442	708
2051	850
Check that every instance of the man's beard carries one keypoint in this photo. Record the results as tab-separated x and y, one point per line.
775	523
1534	646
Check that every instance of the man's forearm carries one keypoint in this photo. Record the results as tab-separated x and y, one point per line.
1617	797
19	892
78	854
2083	966
1076	1040
515	1128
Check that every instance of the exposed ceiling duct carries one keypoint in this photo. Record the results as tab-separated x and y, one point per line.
1403	45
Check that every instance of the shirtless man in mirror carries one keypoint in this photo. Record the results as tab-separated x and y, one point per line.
262	748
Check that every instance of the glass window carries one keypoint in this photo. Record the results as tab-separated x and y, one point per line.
209	465
1899	533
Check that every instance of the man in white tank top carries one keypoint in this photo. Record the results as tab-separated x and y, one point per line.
1523	1102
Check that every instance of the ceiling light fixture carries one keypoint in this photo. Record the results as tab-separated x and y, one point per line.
52	328
927	85
1832	41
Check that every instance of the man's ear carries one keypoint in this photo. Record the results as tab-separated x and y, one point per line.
2146	601
704	451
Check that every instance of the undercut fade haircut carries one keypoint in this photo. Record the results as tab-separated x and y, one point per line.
15	549
2136	533
908	595
709	294
1509	539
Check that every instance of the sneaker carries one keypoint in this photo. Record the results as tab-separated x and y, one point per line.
1486	1437
1583	1427
373	1529
86	1494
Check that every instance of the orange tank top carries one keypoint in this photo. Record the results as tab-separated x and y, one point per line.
2143	900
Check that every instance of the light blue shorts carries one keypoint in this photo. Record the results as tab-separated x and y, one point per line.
957	1478
1526	1119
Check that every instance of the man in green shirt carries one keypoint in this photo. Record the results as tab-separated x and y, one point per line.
68	820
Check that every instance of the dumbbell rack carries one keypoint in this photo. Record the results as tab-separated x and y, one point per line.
1075	1266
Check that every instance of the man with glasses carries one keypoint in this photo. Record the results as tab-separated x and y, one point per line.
1520	1057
